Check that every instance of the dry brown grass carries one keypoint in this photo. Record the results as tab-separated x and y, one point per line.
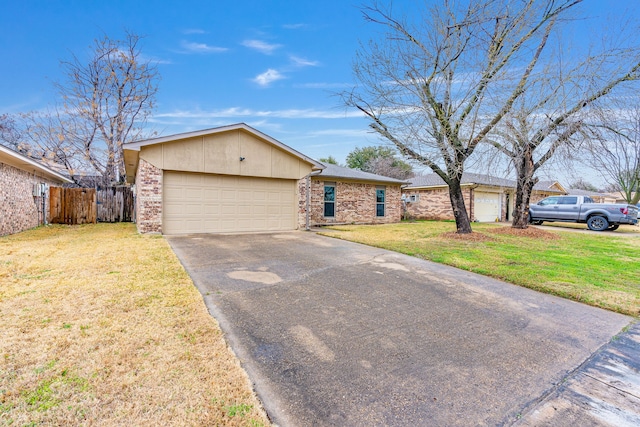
102	326
529	232
468	237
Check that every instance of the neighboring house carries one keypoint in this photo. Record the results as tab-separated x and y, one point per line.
487	198
595	195
24	185
620	198
340	195
226	179
545	189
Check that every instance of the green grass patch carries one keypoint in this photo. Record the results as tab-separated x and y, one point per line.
602	270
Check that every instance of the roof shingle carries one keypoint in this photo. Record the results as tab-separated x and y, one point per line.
340	172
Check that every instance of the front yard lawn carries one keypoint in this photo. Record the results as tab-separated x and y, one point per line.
103	326
601	270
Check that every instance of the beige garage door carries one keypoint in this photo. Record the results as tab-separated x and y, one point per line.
207	203
487	206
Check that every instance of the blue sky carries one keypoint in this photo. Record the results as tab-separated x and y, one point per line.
271	64
274	65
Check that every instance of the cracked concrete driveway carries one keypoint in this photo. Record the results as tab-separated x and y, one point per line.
337	333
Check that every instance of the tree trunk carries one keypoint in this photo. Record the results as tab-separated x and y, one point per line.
463	225
525	168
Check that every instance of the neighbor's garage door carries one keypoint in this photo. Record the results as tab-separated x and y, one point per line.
207	203
486	206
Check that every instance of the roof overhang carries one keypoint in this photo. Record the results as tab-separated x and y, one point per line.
321	176
439	186
132	149
17	160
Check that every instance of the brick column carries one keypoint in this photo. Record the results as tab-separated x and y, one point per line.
149	198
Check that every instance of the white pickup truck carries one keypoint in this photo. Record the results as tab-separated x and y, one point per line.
598	216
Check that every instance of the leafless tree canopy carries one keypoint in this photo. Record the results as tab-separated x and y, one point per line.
554	114
105	102
494	72
9	135
613	147
437	86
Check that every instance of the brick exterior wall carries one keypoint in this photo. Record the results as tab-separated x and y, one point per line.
434	204
19	209
355	203
148	198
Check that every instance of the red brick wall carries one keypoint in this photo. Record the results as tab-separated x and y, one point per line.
19	209
355	203
148	198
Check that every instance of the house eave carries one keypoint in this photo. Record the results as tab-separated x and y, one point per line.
323	177
17	160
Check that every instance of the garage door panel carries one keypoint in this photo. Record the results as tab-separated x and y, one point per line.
487	206
228	195
206	203
193	209
211	210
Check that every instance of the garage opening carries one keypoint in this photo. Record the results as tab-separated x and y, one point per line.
210	203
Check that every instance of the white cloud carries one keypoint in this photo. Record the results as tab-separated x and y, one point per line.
342	132
302	62
234	112
192	47
154	60
268	77
293	26
321	85
194	31
260	46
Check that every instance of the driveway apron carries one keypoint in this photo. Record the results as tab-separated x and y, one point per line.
336	333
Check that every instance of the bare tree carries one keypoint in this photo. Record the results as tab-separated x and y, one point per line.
9	135
614	147
437	86
558	109
104	103
582	184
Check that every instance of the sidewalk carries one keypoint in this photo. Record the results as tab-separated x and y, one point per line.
605	390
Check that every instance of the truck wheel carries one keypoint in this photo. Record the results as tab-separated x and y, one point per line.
597	223
531	221
613	227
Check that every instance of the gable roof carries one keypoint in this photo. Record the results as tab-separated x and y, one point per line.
550	186
434	180
131	149
343	173
17	160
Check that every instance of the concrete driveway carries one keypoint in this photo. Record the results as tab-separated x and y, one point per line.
337	333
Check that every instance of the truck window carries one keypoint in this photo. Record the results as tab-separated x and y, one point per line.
568	201
549	201
588	200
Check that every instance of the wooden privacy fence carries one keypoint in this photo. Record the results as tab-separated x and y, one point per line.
72	205
115	204
88	205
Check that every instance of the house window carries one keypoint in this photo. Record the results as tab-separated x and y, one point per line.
380	191
329	199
